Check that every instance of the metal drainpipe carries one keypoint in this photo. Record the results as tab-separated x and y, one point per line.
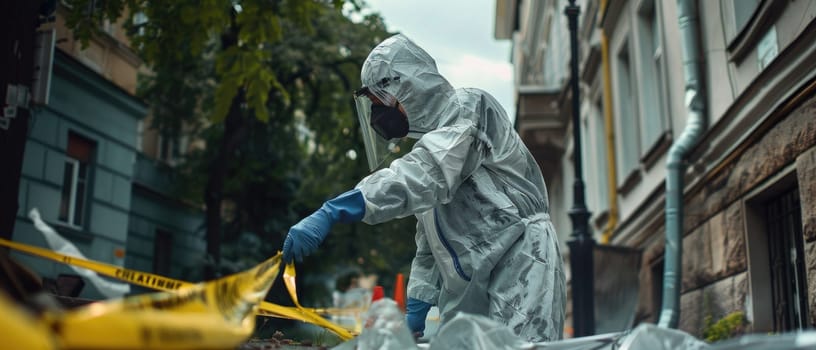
695	125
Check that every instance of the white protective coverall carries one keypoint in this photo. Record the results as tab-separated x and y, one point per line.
485	242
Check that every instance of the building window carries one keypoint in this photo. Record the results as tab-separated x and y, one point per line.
556	63
626	103
162	252
140	131
747	22
166	147
651	89
109	27
75	180
600	161
139	21
787	267
736	15
657	269
171	148
743	10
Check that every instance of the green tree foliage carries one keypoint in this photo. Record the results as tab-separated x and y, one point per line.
183	29
265	87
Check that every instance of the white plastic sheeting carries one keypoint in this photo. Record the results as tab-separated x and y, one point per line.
61	245
385	329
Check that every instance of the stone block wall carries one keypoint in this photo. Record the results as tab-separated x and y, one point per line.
780	146
806	174
714	278
715	249
715	264
716	300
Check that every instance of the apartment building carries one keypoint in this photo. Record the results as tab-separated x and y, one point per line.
95	169
726	84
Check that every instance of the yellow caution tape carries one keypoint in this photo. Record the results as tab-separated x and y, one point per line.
218	314
143	279
158	282
19	330
289	280
140	278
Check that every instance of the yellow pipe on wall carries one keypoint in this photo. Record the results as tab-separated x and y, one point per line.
612	178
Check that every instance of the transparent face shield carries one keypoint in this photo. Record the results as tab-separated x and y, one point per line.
379	151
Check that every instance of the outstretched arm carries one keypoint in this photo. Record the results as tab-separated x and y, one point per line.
427	176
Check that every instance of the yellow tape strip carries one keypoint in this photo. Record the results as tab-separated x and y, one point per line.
158	282
289	280
217	314
21	331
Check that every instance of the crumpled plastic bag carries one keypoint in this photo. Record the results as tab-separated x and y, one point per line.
385	329
649	336
63	246
789	341
466	331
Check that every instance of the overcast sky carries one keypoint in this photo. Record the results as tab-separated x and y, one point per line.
458	34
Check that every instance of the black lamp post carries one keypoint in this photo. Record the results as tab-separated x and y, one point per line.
581	243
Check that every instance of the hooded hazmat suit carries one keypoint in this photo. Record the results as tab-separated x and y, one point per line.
485	242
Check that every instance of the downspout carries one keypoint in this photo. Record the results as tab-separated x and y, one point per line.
695	125
612	177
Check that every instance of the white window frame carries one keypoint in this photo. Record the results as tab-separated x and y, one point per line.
161	153
140	130
626	111
176	147
649	54
73	195
598	134
729	17
139	19
109	27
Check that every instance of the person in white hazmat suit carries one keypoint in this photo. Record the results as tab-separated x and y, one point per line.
485	242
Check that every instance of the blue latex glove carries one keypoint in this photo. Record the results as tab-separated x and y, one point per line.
415	313
306	235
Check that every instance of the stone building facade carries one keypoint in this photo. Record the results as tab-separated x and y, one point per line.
95	170
749	184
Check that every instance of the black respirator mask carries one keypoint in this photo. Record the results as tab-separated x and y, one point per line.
388	122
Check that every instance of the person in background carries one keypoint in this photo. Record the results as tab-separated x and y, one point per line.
485	242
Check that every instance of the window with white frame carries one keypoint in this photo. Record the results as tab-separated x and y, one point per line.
556	63
641	112
743	10
75	179
749	25
736	15
601	167
588	161
627	126
171	149
167	147
652	112
139	21
140	130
